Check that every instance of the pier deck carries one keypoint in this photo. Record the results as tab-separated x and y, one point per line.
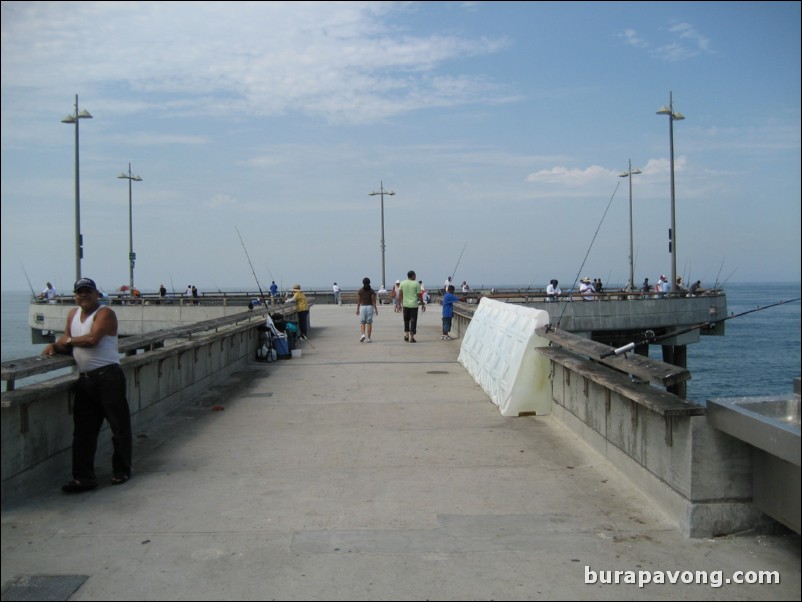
370	472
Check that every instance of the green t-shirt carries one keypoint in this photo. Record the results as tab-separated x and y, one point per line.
411	290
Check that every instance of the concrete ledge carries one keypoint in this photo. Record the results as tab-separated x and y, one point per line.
37	424
701	478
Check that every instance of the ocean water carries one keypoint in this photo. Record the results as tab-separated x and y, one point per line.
759	354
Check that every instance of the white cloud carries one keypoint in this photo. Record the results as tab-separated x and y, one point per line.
572	176
631	38
220	200
687	43
684	42
333	60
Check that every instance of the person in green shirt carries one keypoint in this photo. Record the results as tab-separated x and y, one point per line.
410	298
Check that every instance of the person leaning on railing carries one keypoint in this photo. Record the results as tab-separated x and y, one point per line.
90	336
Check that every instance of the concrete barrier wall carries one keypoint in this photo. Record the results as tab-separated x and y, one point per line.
700	477
37	421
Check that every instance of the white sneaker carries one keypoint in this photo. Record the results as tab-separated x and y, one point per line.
368	341
362	339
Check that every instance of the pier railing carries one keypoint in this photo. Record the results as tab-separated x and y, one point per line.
14	370
163	370
622	407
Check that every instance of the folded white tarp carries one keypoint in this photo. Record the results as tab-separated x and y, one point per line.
498	351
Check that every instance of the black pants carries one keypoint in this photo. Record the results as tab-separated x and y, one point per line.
98	397
303	322
411	320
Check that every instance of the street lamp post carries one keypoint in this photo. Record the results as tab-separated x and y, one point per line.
79	253
382	192
628	174
131	254
672	234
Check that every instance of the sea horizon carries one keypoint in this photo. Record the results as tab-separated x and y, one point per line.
327	287
758	355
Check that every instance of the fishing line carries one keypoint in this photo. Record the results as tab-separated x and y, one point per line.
458	260
595	234
24	271
727	279
721	267
649	336
248	257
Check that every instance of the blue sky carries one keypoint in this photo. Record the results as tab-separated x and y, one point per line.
501	127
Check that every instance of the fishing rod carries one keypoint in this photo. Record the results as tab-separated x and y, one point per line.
727	279
261	294
24	271
458	260
649	336
721	267
590	246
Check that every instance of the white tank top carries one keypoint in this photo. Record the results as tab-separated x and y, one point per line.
102	354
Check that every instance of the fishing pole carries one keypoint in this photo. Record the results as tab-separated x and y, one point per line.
721	267
24	271
649	336
261	294
458	260
590	246
727	279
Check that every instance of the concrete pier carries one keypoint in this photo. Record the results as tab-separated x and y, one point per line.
370	472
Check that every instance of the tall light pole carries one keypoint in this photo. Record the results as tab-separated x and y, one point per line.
672	234
382	192
79	252
131	254
628	174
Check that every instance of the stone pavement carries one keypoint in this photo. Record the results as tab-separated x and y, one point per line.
367	471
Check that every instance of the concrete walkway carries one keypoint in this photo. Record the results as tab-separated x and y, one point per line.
367	472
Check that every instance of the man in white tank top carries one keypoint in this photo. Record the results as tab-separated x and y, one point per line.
91	337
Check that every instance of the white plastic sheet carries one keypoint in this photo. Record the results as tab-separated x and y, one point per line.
498	351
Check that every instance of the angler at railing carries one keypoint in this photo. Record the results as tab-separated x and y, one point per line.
175	366
14	370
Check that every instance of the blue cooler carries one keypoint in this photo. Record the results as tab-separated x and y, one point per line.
282	347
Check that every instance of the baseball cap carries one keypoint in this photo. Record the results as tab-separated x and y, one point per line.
84	283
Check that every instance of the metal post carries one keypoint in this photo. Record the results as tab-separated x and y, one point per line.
75	119
629	174
131	256
79	250
382	192
672	235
